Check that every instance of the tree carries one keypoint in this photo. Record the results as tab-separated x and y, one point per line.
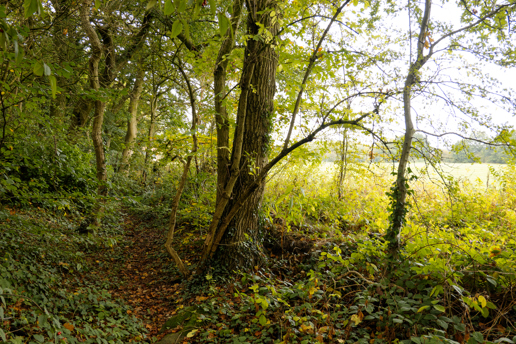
400	190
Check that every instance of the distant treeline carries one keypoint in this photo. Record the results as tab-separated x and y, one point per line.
461	152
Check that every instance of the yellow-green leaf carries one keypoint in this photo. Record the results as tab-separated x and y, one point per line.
177	27
192	333
151	4
53	85
482	301
422	309
169	8
182	6
223	24
213	6
38	69
440	308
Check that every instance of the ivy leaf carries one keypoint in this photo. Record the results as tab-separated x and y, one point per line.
53	85
177	27
263	320
169	7
38	69
478	337
39	338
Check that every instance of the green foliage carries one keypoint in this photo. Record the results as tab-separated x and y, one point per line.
44	294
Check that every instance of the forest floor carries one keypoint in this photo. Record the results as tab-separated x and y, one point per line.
146	278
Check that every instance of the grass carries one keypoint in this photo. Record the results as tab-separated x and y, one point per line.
477	174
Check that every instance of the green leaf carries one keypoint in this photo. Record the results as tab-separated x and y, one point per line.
440	308
177	27
21	54
182	6
30	6
263	320
47	69
422	309
490	305
186	28
151	4
442	324
1	313
169	7
38	69
223	24
3	40
53	85
196	11
213	6
97	4
39	338
2	335
478	337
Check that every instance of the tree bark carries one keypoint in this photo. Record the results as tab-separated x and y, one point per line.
400	189
175	203
240	243
152	125
98	119
133	120
221	115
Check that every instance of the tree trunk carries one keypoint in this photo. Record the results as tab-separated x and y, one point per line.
343	162
60	28
400	189
98	119
221	115
240	245
152	125
133	121
175	203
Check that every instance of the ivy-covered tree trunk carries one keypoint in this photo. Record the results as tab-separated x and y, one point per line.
240	245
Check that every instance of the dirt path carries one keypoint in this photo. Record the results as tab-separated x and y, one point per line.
147	278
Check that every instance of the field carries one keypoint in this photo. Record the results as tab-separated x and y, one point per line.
480	175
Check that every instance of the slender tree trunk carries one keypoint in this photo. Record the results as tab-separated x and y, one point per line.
60	32
98	119
152	125
399	209
343	162
182	182
133	121
221	114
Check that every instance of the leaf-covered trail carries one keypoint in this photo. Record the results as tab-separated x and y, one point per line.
146	278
